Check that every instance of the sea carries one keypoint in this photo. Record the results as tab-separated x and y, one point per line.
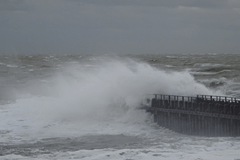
88	107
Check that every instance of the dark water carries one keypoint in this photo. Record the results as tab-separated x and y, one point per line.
88	142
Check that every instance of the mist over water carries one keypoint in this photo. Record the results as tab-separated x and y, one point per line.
111	90
74	97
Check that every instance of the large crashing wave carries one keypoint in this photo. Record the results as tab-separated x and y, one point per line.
89	97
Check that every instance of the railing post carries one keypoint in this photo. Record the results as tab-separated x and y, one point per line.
183	102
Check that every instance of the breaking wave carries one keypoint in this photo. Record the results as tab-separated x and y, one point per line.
97	98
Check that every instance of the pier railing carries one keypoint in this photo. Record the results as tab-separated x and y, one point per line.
204	115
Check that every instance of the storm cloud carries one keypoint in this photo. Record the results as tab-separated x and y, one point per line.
119	26
164	3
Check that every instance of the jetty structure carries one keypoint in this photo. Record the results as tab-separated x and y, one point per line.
203	115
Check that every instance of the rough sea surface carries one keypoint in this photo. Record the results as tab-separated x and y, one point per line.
88	106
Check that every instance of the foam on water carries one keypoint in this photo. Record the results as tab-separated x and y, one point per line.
98	100
84	100
102	98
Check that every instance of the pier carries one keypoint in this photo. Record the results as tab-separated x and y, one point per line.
203	115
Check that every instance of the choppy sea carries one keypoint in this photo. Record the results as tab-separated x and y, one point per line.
88	106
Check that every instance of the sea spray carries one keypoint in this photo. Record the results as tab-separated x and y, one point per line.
39	122
87	98
82	90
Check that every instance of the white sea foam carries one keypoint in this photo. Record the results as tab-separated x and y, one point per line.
103	99
85	100
210	65
166	152
12	66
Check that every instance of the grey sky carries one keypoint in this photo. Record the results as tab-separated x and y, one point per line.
119	26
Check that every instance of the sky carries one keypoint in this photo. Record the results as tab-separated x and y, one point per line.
119	26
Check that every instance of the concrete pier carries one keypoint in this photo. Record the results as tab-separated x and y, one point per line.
203	115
